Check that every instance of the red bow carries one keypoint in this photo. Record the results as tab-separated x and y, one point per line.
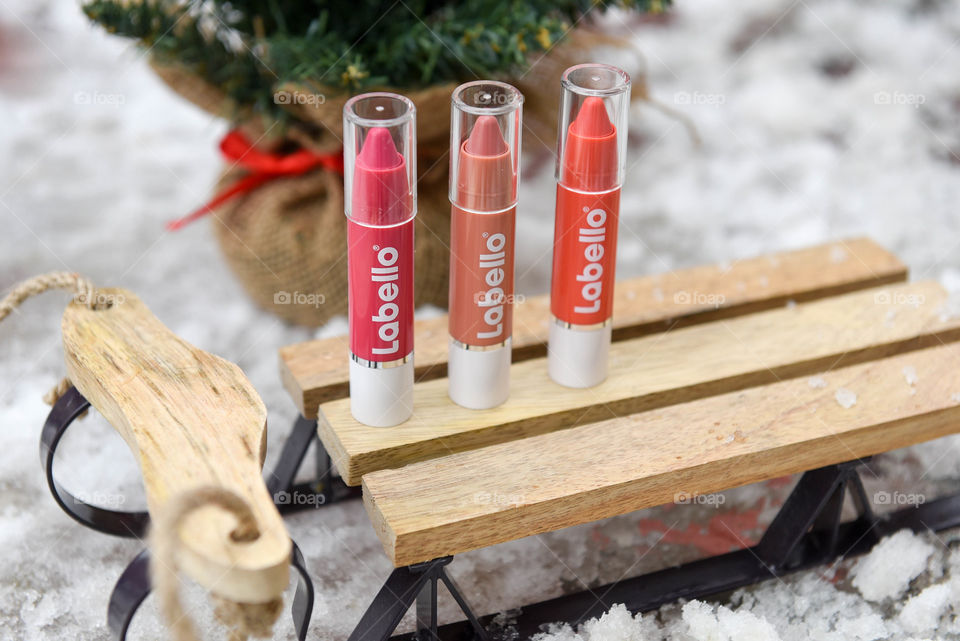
263	168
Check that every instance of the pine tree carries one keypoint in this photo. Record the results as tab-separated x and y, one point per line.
248	48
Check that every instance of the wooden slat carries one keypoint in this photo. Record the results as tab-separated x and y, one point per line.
315	372
653	371
504	492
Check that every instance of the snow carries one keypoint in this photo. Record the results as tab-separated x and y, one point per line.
813	130
910	375
887	571
846	398
922	613
722	624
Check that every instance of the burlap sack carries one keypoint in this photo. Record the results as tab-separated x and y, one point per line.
286	240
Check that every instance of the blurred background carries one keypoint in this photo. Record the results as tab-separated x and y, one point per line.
756	127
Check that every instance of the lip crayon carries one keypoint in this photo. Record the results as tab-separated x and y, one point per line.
380	199
484	171
590	164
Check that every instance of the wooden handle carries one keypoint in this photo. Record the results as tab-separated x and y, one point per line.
192	419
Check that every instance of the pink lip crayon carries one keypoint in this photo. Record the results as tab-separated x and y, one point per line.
484	170
590	164
380	199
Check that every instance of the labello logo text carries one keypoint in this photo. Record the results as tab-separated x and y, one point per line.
491	300
387	272
592	236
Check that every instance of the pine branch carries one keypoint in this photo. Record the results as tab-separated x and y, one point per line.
247	48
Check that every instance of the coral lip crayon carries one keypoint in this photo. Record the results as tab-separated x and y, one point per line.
380	201
590	165
484	171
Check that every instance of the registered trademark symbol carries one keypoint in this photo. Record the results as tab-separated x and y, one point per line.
586	209
485	234
376	248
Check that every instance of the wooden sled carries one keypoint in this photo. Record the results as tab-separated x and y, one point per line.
709	389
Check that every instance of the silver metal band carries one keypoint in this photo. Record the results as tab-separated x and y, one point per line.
580	328
381	364
478	348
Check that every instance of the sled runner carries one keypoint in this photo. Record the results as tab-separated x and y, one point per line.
192	420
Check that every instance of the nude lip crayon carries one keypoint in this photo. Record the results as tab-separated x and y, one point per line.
380	199
485	129
591	154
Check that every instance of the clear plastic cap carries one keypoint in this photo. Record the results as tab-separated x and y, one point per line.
485	125
592	138
379	159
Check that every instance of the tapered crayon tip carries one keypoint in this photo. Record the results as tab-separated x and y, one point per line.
592	120
379	150
486	139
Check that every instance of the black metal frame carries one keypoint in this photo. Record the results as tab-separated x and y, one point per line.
806	532
414	584
326	489
133	586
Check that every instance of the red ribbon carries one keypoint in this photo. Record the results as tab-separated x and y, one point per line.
263	167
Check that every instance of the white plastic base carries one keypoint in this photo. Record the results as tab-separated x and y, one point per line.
479	380
381	397
578	358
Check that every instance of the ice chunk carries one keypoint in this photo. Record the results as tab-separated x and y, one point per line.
922	613
910	373
617	624
838	254
846	398
726	625
869	626
816	382
886	572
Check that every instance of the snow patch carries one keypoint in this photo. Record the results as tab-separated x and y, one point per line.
886	572
910	374
922	613
846	398
723	624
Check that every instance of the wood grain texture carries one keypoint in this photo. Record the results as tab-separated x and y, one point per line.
191	419
653	371
315	372
543	483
